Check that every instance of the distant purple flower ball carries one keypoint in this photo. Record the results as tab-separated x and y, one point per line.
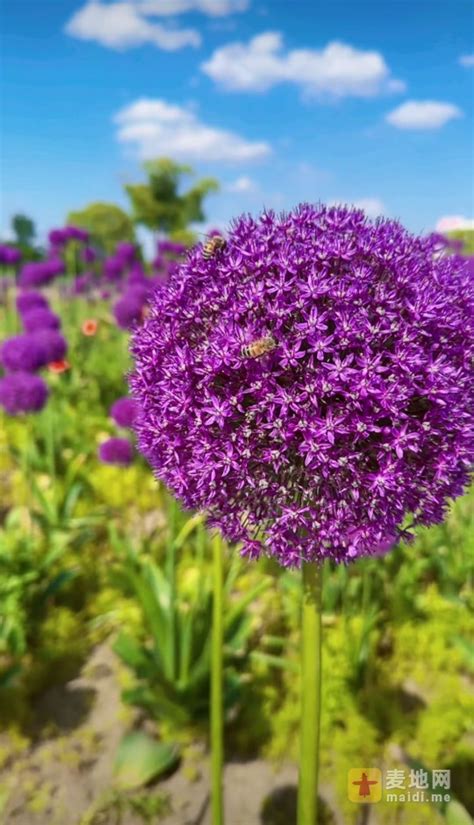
116	451
82	284
128	310
52	342
310	385
75	233
21	392
126	252
34	274
88	255
26	301
40	318
113	268
9	255
23	353
167	247
124	411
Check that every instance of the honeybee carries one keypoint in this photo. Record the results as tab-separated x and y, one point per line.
212	246
259	347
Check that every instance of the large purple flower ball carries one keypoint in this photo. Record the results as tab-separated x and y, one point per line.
22	392
309	386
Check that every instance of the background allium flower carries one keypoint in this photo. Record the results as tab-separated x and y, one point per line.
82	283
9	255
126	252
124	411
116	451
23	352
51	342
359	413
113	268
88	255
21	392
128	311
40	318
167	247
26	301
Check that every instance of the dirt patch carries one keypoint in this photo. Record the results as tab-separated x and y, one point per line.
66	777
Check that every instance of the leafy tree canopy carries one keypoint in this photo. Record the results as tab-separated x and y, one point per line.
160	205
107	223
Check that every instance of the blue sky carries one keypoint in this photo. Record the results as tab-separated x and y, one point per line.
367	102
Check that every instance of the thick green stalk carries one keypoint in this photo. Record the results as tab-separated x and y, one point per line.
217	722
170	565
310	694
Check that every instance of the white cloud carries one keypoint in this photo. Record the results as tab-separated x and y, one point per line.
337	70
423	114
121	26
451	222
155	128
373	207
467	60
213	8
242	185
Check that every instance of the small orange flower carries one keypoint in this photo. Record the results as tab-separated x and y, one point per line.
57	367
89	327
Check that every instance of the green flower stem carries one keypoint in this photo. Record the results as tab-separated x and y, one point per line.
170	564
217	737
310	694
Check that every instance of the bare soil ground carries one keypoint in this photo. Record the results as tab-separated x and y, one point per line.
66	777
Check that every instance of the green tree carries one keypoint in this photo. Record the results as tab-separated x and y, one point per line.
159	204
107	223
24	229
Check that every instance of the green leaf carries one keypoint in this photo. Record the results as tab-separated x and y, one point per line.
456	814
140	759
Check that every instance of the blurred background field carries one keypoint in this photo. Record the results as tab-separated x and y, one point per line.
105	593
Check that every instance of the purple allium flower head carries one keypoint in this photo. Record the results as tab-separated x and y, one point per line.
57	237
9	255
26	301
116	451
124	411
35	274
310	385
82	283
88	255
128	311
113	268
167	247
22	392
24	353
126	252
75	233
40	318
52	342
158	262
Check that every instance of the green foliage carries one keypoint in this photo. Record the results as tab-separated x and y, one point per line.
171	663
139	759
24	229
467	238
158	203
30	578
106	222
